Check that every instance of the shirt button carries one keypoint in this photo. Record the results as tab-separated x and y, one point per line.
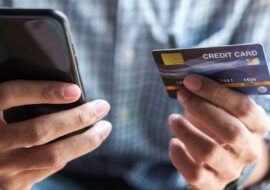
129	55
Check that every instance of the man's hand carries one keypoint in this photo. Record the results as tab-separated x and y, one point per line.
22	167
222	133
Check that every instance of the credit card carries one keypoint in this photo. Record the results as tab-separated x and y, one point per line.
240	67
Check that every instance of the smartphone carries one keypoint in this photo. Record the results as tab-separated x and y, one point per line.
35	44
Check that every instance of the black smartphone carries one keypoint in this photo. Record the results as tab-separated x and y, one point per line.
35	44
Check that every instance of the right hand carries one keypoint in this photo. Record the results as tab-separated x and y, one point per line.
21	167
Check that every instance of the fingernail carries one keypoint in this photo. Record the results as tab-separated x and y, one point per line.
183	95
101	127
171	118
102	107
193	82
71	92
105	127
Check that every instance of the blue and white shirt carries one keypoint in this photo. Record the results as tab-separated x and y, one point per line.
114	40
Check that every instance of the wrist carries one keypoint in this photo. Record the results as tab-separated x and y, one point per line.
240	183
254	173
262	166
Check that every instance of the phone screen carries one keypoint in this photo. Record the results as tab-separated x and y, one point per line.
35	48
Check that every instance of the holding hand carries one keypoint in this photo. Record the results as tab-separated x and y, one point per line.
22	167
223	132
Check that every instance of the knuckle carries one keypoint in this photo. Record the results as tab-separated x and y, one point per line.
100	137
39	133
244	106
203	107
48	92
82	117
88	114
218	92
234	133
54	160
253	153
209	153
252	156
95	140
196	177
93	115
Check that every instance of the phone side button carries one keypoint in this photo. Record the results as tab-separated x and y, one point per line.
76	59
73	48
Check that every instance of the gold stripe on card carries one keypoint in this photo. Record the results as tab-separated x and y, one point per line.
231	85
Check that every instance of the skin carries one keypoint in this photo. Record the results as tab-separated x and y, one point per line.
221	133
41	159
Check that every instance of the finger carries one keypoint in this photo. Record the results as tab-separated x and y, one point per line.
59	153
46	128
203	148
24	180
32	177
195	174
202	127
238	104
17	93
226	127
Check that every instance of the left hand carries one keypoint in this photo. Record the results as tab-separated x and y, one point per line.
222	133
